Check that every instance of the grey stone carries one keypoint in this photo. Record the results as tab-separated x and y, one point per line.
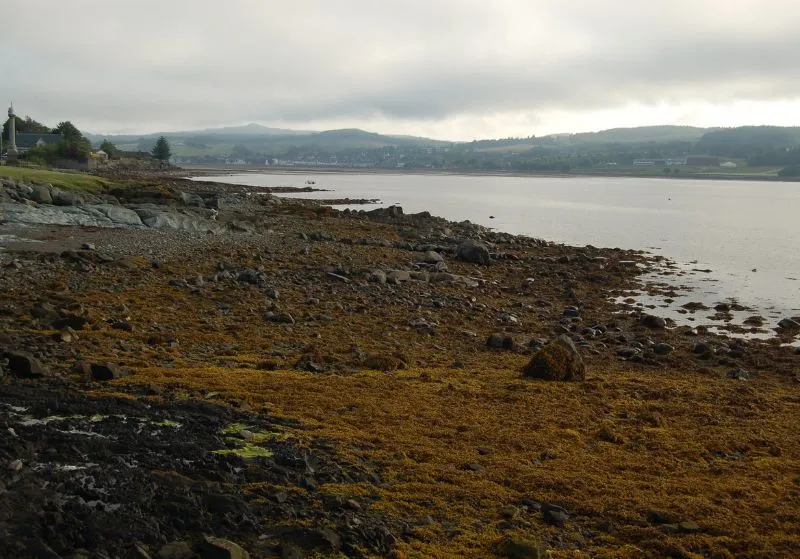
474	252
432	257
377	276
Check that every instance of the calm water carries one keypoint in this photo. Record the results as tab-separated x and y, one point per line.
729	227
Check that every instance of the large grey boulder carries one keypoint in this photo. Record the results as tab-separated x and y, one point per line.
473	251
101	215
158	219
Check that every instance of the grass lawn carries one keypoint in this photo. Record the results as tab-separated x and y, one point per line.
73	181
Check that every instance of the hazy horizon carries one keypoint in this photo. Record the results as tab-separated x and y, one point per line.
443	69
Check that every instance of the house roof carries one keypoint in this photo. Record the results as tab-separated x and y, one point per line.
28	140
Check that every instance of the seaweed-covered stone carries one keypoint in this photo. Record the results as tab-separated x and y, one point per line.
558	360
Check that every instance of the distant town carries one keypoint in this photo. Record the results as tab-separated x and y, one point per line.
750	152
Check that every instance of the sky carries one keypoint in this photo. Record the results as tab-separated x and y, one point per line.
447	69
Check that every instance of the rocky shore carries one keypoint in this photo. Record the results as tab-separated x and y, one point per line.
203	370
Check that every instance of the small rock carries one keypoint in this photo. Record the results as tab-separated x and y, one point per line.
739	374
500	341
175	550
655	322
377	276
509	512
279	318
107	371
16	465
688	527
218	548
572	312
432	257
87	246
663	349
555	515
518	548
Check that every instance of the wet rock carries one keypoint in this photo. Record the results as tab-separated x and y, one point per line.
695	306
377	276
663	349
432	257
558	360
279	318
789	324
397	276
175	550
386	363
701	348
218	548
24	365
654	322
500	341
509	512
107	371
739	374
688	527
474	252
572	312
655	516
555	515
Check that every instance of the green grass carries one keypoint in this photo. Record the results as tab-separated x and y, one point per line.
72	181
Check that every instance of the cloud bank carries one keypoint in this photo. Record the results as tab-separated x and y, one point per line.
448	68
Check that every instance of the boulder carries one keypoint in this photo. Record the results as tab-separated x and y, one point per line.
23	365
558	360
41	194
655	322
474	252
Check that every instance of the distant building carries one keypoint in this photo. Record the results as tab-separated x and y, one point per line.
27	140
702	161
658	162
728	164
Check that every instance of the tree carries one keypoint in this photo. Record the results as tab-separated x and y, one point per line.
161	150
108	147
26	125
69	131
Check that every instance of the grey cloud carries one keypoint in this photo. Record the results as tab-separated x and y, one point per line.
183	62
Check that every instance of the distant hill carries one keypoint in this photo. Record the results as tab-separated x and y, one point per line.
639	134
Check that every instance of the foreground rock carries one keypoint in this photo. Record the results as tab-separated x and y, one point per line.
558	360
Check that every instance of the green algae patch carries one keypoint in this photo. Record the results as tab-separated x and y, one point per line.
169	423
238	431
246	451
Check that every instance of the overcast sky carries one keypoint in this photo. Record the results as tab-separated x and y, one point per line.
450	69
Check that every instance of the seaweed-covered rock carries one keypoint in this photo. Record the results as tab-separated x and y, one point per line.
558	360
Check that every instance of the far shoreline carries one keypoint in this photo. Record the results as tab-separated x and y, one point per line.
198	170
